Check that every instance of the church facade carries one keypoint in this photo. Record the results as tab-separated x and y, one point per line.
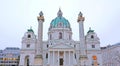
60	49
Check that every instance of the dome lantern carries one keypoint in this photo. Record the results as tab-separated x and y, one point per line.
59	14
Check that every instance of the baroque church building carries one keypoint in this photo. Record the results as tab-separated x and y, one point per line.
60	49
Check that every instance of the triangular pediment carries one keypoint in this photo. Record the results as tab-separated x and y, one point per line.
61	46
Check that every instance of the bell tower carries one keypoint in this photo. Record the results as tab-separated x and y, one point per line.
93	43
28	48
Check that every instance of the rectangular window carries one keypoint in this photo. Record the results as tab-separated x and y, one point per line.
75	56
47	55
93	46
28	45
61	61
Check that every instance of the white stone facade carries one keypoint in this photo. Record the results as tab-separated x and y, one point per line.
60	49
111	55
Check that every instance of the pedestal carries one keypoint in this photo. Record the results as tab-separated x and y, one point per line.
83	59
38	60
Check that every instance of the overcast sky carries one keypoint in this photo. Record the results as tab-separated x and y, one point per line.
16	16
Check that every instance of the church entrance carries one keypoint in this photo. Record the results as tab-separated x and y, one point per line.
27	61
61	61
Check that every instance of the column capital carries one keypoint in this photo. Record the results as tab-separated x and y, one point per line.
40	17
80	17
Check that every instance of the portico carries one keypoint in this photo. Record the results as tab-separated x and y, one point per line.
61	56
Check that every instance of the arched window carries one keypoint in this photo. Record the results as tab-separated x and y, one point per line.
92	36
46	55
60	35
74	45
27	62
29	36
47	45
75	56
60	24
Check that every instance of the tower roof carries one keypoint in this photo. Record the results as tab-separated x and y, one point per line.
30	30
60	21
90	30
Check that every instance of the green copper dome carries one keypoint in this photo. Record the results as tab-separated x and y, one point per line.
60	21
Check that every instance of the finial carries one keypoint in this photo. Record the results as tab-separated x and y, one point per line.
41	13
80	14
59	14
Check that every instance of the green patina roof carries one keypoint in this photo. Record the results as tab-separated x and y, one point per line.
57	20
90	30
30	30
